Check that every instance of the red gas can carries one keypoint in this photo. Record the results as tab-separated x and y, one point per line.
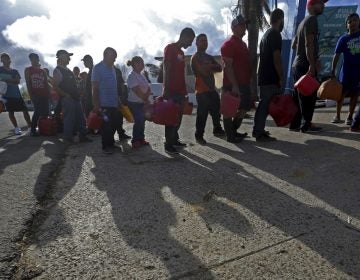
229	105
165	112
94	120
307	85
283	109
187	108
47	126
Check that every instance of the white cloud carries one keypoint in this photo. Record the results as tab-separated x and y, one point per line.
89	26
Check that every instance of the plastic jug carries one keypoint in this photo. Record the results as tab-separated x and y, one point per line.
307	85
229	105
165	112
47	126
125	111
282	109
330	89
94	120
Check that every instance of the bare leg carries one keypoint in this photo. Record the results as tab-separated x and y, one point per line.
13	119
339	106
353	102
27	118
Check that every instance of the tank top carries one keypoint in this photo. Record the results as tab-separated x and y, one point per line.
38	82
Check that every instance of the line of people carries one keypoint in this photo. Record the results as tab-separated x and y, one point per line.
105	89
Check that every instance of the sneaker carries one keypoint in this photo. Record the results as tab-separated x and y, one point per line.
34	133
107	151
144	142
234	140
124	136
265	138
355	129
136	144
85	139
219	132
348	121
240	135
17	131
314	128
200	140
336	120
179	144
171	150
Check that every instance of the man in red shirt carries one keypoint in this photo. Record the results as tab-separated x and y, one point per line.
174	83
237	76
38	89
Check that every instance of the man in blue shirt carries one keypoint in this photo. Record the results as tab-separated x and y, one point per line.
349	46
14	100
105	97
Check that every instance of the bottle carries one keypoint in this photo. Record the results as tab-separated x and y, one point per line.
105	116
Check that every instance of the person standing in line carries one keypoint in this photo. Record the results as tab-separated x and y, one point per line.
123	96
306	61
14	100
138	96
237	76
270	73
105	98
38	89
204	66
349	46
174	83
64	82
88	63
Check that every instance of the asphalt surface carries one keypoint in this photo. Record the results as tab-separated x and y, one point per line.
282	210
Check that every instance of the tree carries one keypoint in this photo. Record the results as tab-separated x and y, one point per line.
255	11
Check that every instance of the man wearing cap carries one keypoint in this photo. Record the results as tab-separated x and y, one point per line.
65	84
307	62
38	89
237	76
14	100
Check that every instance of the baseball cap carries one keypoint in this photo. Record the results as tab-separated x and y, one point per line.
313	2
238	20
62	52
86	57
33	55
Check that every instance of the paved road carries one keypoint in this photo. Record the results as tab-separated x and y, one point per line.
283	210
26	168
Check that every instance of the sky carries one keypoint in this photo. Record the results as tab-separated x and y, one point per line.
140	27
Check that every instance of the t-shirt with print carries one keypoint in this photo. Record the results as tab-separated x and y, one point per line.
349	46
203	83
136	79
13	90
106	77
270	42
175	56
236	49
38	81
308	26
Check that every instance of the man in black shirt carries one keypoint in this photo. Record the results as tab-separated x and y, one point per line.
270	73
307	62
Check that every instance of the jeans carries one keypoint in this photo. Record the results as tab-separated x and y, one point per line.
137	109
172	132
266	94
74	120
111	121
208	102
41	109
306	104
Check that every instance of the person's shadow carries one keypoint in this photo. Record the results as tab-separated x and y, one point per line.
316	228
155	199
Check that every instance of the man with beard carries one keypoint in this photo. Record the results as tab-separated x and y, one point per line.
270	73
307	62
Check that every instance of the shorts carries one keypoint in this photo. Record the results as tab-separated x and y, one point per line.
15	105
